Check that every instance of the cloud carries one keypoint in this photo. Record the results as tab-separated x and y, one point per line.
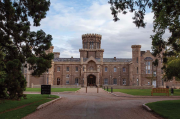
68	20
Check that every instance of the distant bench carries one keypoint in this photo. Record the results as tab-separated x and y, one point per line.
160	90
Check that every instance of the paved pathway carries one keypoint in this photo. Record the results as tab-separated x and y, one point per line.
93	105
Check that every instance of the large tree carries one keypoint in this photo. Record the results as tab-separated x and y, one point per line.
166	17
20	45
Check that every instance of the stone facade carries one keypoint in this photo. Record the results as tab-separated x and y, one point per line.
92	69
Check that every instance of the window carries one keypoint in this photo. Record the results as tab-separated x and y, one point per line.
47	80
114	81
83	68
124	69
137	59
76	68
67	82
58	68
137	82
161	71
67	69
47	70
147	67
115	69
137	70
124	81
148	83
67	76
76	80
97	45
106	69
91	68
105	81
92	47
154	73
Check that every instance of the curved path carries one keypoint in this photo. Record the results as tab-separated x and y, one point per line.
93	105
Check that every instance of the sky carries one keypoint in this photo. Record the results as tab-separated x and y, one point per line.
68	20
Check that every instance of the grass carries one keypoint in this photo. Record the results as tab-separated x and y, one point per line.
167	109
52	89
35	99
144	92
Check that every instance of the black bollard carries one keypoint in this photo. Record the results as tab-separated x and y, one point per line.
111	89
107	88
172	91
104	87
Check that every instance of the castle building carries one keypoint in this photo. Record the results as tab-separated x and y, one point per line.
92	69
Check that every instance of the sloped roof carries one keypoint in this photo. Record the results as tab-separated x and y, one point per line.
97	59
117	60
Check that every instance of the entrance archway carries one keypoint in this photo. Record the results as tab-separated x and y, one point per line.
58	81
91	80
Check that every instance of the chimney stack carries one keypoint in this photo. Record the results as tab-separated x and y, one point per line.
114	58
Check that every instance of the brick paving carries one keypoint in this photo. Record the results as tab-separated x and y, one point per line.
93	105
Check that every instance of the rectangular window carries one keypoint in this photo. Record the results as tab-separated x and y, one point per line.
76	68
137	59
67	82
137	70
114	81
97	45
83	68
154	73
147	67
67	69
106	69
76	80
124	69
105	81
67	76
58	68
115	69
124	81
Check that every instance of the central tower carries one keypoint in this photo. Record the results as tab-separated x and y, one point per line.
91	46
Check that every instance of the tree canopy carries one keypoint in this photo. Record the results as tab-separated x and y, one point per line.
166	17
20	45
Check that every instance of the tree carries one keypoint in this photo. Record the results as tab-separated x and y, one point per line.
20	45
166	17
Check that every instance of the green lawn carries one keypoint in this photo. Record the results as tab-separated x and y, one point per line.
53	89
168	109
19	113
143	92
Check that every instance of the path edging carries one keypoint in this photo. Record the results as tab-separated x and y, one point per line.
47	103
77	90
146	107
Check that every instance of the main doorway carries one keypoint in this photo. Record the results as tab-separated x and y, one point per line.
91	80
58	81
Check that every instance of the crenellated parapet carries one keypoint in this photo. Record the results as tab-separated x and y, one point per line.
91	36
136	46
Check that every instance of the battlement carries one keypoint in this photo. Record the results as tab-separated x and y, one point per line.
136	46
91	35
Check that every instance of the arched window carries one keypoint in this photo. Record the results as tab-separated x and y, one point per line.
76	80
114	81
105	69
105	81
92	47
124	81
91	68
